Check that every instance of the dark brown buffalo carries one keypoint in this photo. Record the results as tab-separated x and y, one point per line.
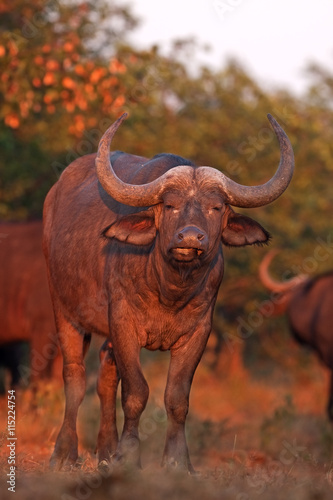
134	253
308	304
26	314
13	356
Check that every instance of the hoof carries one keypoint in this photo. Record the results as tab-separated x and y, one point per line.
59	463
105	468
55	464
194	473
175	466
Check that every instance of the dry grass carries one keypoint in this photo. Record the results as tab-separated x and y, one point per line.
249	438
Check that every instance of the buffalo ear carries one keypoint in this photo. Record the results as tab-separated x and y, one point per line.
241	230
136	229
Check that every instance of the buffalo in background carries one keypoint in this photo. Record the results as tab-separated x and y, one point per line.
308	304
26	314
13	357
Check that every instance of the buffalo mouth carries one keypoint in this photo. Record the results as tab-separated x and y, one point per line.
186	254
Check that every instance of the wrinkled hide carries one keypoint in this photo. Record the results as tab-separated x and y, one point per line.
134	253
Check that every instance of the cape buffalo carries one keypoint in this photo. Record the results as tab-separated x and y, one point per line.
26	313
134	252
308	303
13	356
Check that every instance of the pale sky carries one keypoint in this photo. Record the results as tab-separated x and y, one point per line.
273	39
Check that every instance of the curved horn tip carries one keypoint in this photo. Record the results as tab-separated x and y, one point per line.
123	116
109	133
118	122
121	119
275	124
272	119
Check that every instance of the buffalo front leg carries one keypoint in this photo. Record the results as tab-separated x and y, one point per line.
134	394
183	363
107	385
73	346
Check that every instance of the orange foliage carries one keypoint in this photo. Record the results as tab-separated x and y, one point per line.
79	70
67	63
68	83
91	122
69	106
88	88
24	108
49	79
97	74
78	126
50	96
52	65
13	89
119	101
51	108
39	60
107	99
64	94
60	79
116	66
46	48
69	47
13	48
81	102
75	57
12	120
90	65
36	82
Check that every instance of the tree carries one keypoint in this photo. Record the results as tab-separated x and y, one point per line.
56	83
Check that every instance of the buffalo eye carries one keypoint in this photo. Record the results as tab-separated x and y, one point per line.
169	207
217	209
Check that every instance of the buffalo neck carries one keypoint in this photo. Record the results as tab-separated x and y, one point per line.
177	287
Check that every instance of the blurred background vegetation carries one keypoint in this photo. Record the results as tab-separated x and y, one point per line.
67	71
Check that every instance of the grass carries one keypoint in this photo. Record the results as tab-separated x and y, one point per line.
249	438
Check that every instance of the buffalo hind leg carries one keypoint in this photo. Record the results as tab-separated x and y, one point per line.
183	363
107	385
74	346
330	400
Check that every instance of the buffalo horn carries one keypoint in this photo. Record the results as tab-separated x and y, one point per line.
256	196
132	194
235	194
277	286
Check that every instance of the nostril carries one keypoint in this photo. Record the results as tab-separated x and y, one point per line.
201	236
180	236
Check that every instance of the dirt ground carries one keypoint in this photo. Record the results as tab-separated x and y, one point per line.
250	436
